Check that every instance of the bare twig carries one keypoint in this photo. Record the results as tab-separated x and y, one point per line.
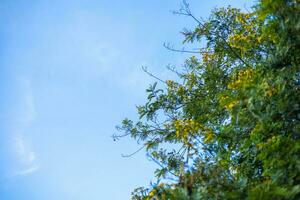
168	47
116	137
172	69
150	74
135	152
159	164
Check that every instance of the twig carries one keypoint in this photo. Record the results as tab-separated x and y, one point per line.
129	155
158	163
168	47
150	74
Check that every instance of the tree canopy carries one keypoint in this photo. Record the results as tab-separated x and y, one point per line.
228	127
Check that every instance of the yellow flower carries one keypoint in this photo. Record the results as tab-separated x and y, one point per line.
270	92
171	84
259	39
260	146
183	128
209	136
207	57
152	193
231	105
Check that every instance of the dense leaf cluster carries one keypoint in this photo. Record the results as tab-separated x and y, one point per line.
229	128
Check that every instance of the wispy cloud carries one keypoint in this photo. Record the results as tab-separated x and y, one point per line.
23	150
28	171
26	158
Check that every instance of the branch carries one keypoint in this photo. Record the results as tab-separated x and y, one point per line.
172	69
168	47
129	155
159	164
116	137
158	140
150	74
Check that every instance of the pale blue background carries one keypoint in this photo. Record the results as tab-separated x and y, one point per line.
70	71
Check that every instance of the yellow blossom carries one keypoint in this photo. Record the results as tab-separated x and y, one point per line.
231	105
209	136
183	128
270	92
152	193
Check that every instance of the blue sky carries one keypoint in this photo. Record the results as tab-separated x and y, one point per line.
70	72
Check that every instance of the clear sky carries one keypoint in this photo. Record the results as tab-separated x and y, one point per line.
70	71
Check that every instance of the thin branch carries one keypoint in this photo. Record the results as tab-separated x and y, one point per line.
150	74
129	155
153	139
172	179
187	157
159	164
203	145
168	47
116	137
172	69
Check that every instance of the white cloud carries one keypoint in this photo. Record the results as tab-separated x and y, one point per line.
26	155
28	170
26	158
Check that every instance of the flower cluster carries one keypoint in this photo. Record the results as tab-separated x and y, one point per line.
244	78
227	102
185	127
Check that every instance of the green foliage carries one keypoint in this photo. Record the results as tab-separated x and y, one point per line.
229	129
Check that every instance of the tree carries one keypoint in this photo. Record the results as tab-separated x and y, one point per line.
229	128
